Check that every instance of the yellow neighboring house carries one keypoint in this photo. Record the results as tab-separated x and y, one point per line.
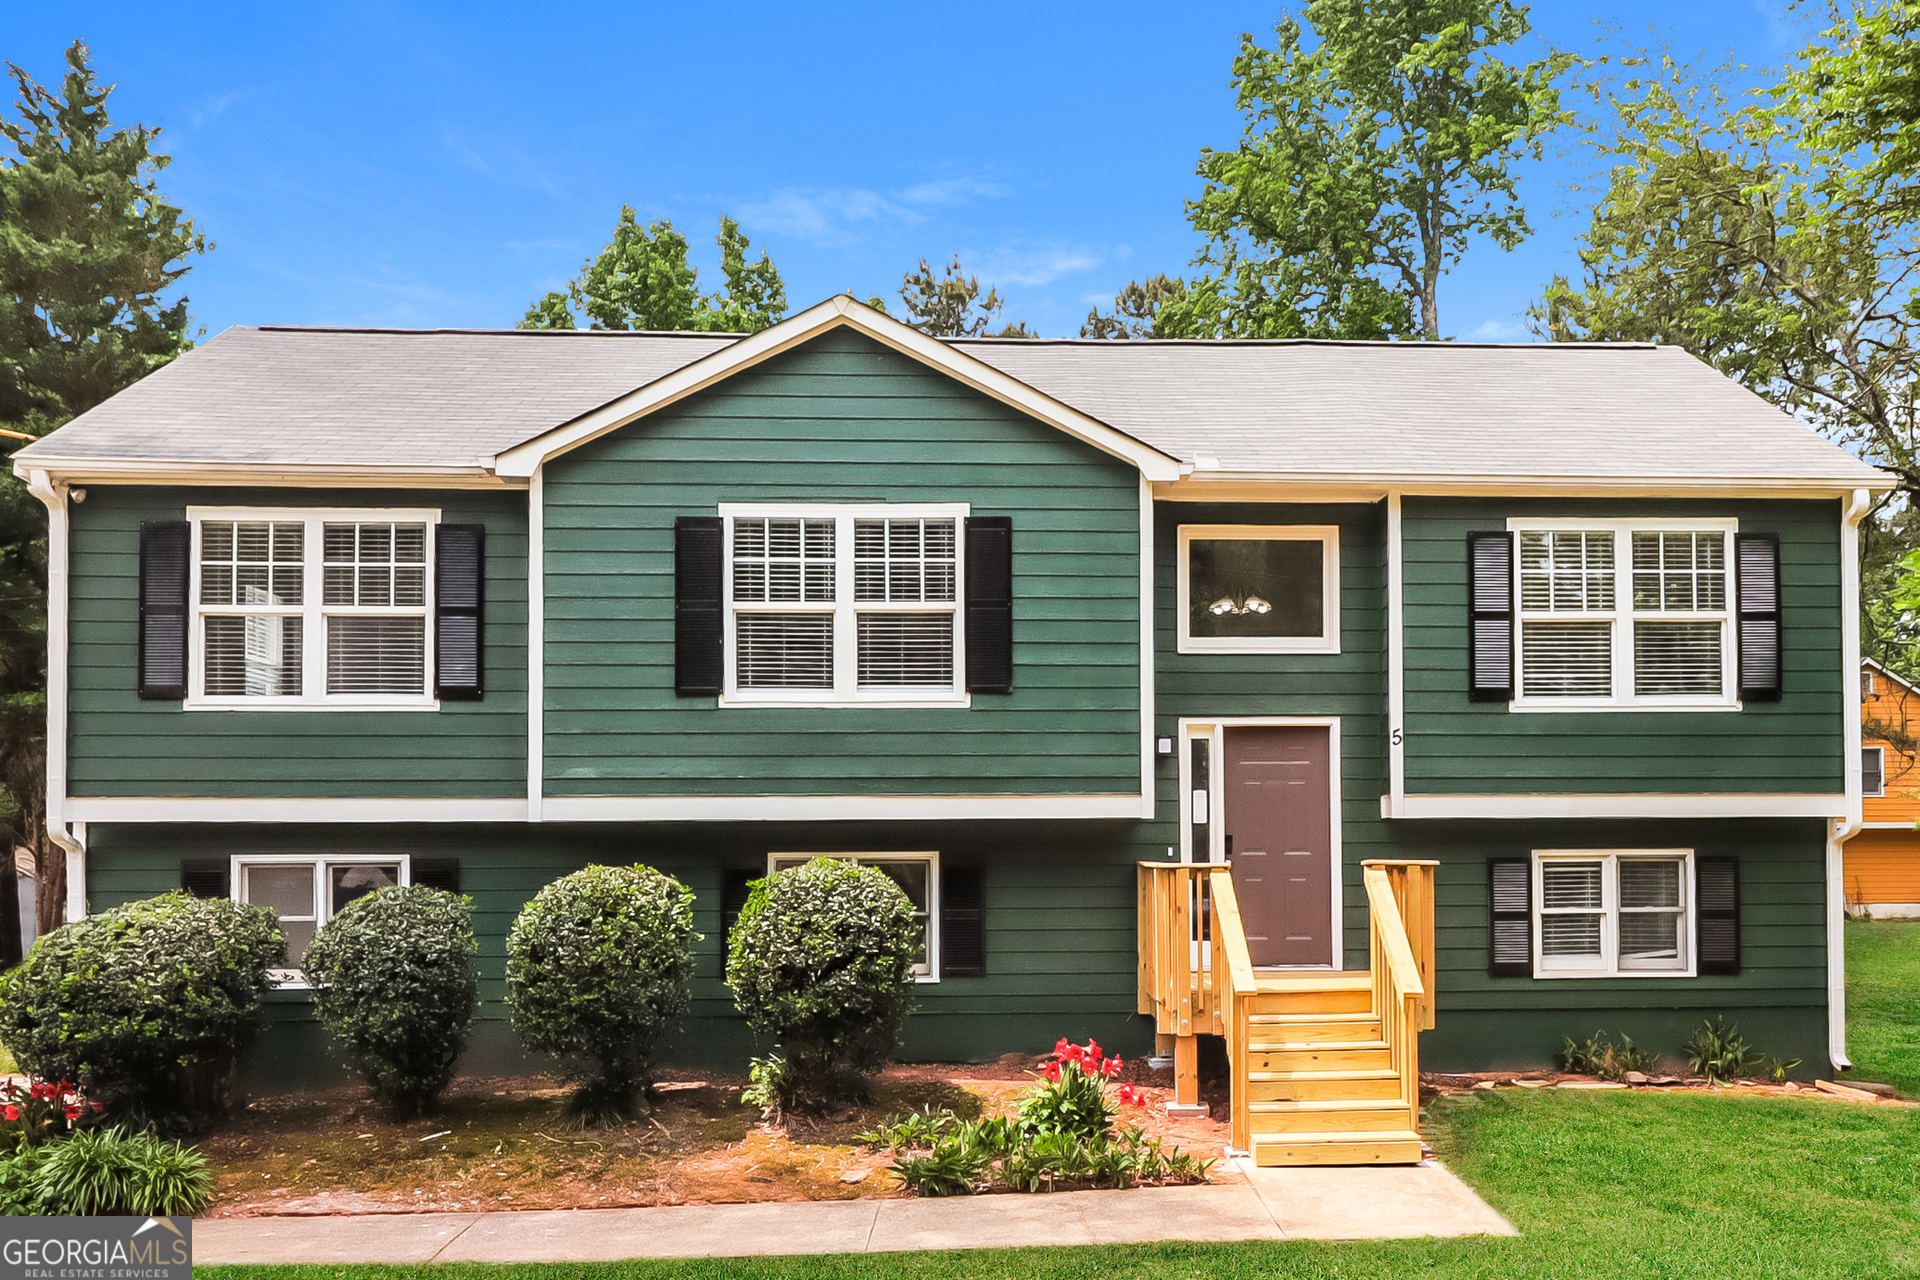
1883	861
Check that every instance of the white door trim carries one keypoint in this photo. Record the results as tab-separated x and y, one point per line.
1212	729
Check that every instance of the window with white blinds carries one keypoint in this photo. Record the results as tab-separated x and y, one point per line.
1613	913
311	608
830	604
1624	613
304	892
917	874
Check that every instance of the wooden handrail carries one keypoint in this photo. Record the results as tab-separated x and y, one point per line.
1229	934
1392	933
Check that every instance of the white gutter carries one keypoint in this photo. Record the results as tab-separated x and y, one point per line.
53	495
1841	830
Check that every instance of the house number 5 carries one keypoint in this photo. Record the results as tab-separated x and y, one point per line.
1398	737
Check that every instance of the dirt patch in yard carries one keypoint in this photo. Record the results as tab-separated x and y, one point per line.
499	1144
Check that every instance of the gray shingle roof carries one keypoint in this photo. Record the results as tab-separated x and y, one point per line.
453	399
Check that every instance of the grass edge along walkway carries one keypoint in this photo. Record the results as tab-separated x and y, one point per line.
1633	1185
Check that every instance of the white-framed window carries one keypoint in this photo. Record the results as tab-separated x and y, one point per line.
1258	588
1867	685
1613	913
917	874
843	605
1873	771
306	889
311	609
1625	613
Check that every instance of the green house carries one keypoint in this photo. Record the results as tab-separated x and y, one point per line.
1372	706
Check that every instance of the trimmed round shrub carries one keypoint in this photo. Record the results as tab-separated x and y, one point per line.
598	970
821	961
146	1007
393	982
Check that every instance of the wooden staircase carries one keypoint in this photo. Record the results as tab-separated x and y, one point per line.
1325	1064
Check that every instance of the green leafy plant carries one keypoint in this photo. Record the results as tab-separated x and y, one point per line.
598	970
1774	1069
106	1171
1072	1099
147	1007
1719	1052
393	982
821	961
1599	1056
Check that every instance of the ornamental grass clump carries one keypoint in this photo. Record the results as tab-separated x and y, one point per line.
393	981
598	969
821	961
146	1007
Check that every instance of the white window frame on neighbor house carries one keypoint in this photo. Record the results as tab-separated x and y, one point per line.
844	609
1607	964
322	864
1327	535
1881	772
312	612
928	971
1623	616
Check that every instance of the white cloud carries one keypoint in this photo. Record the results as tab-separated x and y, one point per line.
844	216
1501	331
1035	266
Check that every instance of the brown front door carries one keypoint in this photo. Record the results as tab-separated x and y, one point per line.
1280	841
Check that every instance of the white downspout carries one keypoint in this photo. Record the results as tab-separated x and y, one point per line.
53	495
1396	804
1841	830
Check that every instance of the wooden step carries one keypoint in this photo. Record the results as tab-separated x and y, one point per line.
1267	1118
1382	1084
1307	1000
1314	1026
1384	1147
1332	1056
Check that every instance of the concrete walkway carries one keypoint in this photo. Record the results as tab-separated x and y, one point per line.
1273	1204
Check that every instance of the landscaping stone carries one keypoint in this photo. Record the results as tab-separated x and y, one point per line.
1874	1087
1590	1084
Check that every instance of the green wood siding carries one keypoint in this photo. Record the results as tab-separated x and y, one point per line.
121	746
840	419
1459	747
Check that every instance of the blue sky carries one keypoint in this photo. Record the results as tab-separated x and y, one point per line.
442	165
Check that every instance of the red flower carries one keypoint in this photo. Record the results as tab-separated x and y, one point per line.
98	1107
73	1112
1093	1049
1051	1071
1110	1068
13	1112
1131	1097
40	1090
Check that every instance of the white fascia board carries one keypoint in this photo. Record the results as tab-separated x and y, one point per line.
1890	826
1309	486
836	312
83	471
1619	806
764	808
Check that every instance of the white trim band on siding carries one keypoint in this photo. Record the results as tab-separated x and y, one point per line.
751	808
956	808
1617	806
385	809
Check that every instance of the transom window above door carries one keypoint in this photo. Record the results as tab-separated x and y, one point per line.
1259	589
310	609
844	605
1622	613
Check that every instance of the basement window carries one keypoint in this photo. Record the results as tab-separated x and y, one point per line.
304	890
917	874
1611	913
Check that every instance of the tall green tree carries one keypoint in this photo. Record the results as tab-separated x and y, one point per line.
1137	309
1720	229
951	304
1379	139
88	249
643	280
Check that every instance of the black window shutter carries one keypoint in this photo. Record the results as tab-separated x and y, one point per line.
204	877
1717	914
697	628
989	604
165	547
459	597
1490	617
1758	562
736	886
437	873
1510	930
963	922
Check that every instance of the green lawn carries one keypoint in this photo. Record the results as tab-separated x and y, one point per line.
1883	1001
1647	1186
